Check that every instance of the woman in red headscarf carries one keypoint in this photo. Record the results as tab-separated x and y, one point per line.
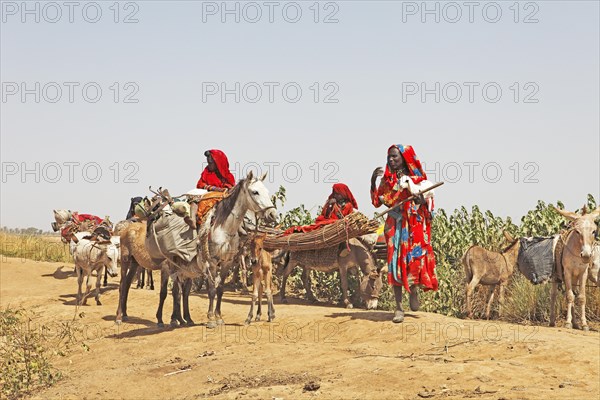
216	176
216	179
340	203
411	262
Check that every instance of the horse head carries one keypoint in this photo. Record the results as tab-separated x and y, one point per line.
257	197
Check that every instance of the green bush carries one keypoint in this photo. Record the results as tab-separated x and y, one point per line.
24	356
452	235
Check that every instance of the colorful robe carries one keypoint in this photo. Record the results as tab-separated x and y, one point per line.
407	231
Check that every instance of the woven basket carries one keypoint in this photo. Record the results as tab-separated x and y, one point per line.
318	257
353	225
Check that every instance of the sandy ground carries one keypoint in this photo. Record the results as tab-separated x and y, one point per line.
347	354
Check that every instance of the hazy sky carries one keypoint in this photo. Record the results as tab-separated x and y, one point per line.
499	99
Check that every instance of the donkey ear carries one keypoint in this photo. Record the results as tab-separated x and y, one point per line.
262	178
571	216
508	236
594	214
250	175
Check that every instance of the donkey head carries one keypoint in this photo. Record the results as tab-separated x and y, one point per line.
370	287
112	256
256	246
585	227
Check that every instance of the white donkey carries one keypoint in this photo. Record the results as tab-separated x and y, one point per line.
92	256
574	263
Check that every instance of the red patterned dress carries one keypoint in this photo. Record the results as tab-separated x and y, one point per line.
407	230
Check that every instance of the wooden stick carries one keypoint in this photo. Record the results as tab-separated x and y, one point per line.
411	197
178	372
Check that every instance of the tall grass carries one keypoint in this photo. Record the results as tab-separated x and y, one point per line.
34	247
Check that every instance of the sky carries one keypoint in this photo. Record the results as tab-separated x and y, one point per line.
100	100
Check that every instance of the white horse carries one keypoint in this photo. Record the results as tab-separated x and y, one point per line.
219	242
90	256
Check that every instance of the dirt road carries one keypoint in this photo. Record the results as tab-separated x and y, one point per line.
309	351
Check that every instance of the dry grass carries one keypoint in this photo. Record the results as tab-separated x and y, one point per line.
34	247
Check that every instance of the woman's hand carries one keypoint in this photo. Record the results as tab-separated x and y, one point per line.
420	199
376	173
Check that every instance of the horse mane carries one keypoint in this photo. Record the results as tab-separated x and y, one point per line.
225	206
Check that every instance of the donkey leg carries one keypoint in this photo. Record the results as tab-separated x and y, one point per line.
570	301
176	318
164	288
308	285
470	289
88	287
490	299
269	293
344	281
286	273
581	300
501	299
553	293
150	280
79	283
253	302
139	276
105	283
260	296
187	288
98	284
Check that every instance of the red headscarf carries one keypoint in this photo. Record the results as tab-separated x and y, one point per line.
345	192
412	163
226	179
329	214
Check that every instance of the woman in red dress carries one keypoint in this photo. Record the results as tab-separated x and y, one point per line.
340	203
411	262
216	175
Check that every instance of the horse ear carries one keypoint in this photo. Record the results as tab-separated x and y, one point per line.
250	175
508	236
571	216
262	178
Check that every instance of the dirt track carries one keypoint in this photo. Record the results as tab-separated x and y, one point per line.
349	354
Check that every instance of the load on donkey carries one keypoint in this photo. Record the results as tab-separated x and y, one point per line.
208	251
570	256
341	239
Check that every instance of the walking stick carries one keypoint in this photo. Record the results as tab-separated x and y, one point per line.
411	197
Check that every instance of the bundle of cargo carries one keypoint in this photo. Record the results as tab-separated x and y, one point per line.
351	226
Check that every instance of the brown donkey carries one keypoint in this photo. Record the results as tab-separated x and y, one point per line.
262	270
489	268
574	262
